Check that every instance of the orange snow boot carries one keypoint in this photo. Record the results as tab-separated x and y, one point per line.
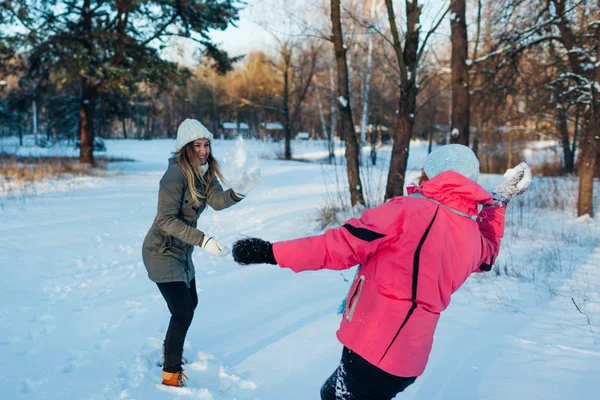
174	378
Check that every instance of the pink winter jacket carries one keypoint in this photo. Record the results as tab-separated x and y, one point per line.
415	251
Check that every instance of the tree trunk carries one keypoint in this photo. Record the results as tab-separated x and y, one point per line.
395	181
364	120
35	122
286	104
331	141
460	74
476	139
563	128
356	194
349	47
509	162
124	128
287	132
575	137
590	147
86	121
591	142
490	148
89	92
322	116
407	60
587	170
430	140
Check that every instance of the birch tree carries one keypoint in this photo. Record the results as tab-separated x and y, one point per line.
364	120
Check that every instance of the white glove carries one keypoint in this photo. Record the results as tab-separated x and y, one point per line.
213	247
516	182
248	180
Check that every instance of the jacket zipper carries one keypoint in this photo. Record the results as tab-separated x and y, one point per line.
415	278
353	300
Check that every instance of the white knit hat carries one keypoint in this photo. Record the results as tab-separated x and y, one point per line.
190	130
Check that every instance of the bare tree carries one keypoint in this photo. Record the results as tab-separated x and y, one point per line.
591	141
345	109
364	120
297	80
560	36
460	74
408	55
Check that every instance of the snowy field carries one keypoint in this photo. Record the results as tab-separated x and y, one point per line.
79	318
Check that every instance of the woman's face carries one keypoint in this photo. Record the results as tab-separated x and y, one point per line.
202	150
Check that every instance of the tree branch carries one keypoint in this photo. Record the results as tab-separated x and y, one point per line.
478	34
430	32
396	37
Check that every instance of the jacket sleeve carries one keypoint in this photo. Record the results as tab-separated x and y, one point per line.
491	226
219	199
344	247
170	197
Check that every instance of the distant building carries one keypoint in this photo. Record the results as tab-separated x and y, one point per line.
231	129
275	130
374	133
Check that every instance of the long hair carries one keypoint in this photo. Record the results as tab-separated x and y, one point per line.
188	161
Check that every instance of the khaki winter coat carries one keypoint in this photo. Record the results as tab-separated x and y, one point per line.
168	246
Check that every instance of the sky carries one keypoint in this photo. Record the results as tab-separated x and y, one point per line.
248	35
259	20
258	17
245	36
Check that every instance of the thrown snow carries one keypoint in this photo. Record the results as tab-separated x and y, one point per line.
516	181
240	163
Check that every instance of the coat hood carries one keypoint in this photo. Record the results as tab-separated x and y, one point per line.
454	190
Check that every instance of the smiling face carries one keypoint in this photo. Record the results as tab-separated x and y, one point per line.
202	149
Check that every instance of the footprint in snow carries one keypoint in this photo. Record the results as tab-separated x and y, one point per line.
213	376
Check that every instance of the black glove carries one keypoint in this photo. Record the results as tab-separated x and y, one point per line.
253	251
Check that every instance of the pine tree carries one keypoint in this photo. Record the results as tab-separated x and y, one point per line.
111	47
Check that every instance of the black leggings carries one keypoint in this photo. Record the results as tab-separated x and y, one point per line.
182	302
357	379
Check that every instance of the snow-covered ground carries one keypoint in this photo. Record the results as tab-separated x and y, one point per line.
79	318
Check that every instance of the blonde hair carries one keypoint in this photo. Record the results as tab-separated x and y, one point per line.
188	161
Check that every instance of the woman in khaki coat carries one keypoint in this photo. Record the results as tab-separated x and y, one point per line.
187	187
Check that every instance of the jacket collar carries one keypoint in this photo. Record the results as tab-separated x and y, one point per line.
455	191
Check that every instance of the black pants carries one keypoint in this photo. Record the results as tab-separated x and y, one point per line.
182	302
357	379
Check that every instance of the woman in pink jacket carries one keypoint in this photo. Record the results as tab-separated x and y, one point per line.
414	251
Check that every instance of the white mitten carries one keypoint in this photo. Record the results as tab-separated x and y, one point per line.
213	247
516	182
248	180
